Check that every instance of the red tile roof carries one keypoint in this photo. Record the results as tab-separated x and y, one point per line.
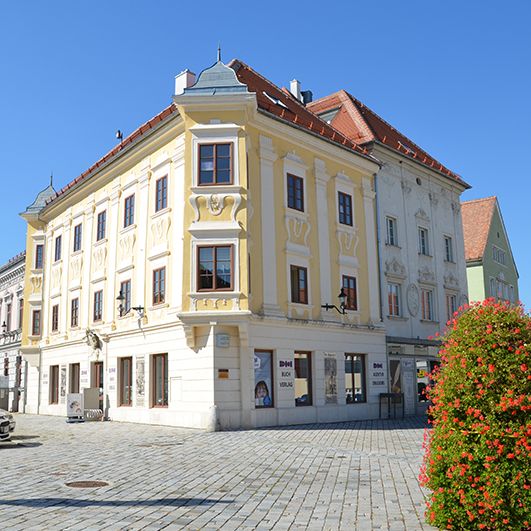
362	126
290	109
477	217
149	125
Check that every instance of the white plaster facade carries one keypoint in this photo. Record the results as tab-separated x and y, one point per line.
415	197
13	368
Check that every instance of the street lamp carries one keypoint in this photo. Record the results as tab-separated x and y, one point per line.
4	328
342	303
123	311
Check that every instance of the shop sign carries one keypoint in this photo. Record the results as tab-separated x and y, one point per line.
377	374
285	376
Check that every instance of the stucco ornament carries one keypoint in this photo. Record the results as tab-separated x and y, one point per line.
413	300
93	340
216	203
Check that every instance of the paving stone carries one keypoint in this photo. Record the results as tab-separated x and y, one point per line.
351	476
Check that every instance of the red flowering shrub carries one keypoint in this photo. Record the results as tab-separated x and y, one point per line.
477	457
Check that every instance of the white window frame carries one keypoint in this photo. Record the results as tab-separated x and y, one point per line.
424	242
398	296
391	231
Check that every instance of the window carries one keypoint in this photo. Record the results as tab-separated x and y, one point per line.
36	323
448	249
55	318
299	284
498	255
101	225
125	291
295	192
125	377
77	237
74	313
451	305
345	208
98	305
423	241
54	384
393	299
215	164
391	237
215	268
129	210
73	386
20	312
161	193
263	378
159	285
303	379
159	370
349	285
39	252
492	287
9	309
355	384
57	254
427	304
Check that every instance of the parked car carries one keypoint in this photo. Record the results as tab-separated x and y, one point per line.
5	434
9	416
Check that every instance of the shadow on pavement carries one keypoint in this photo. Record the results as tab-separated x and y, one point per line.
42	503
14	444
417	422
24	437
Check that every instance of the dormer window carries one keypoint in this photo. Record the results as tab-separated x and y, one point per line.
215	164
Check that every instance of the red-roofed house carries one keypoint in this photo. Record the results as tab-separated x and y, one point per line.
491	269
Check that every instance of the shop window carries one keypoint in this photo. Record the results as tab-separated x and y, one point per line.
159	381
73	386
303	379
263	378
54	384
355	379
125	382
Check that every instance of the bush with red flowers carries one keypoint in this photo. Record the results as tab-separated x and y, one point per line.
477	455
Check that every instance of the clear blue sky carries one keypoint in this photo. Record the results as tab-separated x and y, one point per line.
455	76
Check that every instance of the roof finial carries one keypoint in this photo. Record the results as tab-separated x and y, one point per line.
219	52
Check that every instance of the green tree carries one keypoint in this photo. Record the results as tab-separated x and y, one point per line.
477	455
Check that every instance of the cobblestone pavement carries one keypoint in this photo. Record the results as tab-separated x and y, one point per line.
356	475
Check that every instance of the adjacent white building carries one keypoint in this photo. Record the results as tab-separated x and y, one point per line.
13	368
420	242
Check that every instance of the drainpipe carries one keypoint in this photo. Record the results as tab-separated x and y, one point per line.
379	255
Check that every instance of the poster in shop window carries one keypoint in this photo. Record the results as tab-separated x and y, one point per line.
140	381
263	379
62	385
330	382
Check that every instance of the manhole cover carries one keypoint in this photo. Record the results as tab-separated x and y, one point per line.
86	484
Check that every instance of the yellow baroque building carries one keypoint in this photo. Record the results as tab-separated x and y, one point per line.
184	274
